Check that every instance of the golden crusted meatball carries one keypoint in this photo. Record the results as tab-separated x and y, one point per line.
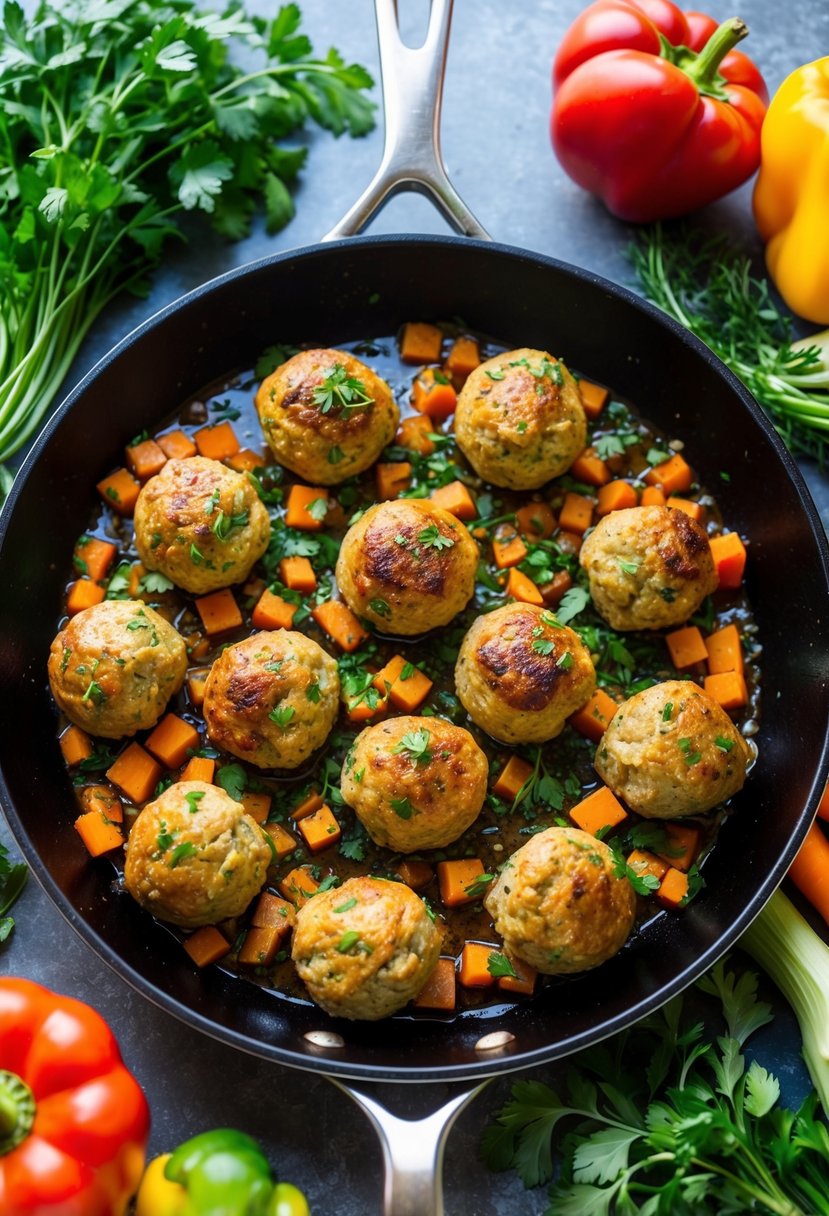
326	415
415	783
519	420
272	699
200	524
365	949
407	566
648	567
113	667
558	904
671	751
194	857
520	674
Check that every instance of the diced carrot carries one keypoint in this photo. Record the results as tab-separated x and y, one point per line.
281	839
103	800
673	889
439	990
642	862
176	445
686	647
258	806
137	572
414	434
415	874
569	542
474	972
593	718
199	768
823	805
320	829
420	343
464	356
523	589
171	740
523	982
245	460
75	746
456	499
360	712
515	773
145	459
593	398
273	912
272	612
340	623
616	496
392	479
694	509
590	469
120	491
297	574
196	680
405	685
508	551
652	496
725	651
299	886
673	476
729	555
454	877
682	847
135	772
310	803
554	592
433	393
601	809
206	946
728	689
260	946
535	521
217	442
93	557
302	510
577	514
83	594
219	611
98	833
253	587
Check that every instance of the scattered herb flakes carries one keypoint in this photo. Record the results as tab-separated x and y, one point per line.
499	965
318	509
627	566
347	906
667	711
380	608
193	798
282	715
416	743
402	807
185	849
479	886
725	745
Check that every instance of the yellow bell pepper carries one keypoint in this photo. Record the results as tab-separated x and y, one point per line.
157	1196
791	198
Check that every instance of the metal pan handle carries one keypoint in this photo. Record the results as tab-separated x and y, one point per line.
412	80
412	1151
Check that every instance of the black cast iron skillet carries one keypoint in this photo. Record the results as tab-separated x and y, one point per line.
331	294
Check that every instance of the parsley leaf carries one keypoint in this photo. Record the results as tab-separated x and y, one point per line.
339	391
499	965
416	743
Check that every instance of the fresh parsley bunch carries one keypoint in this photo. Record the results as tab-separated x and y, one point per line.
667	1120
116	117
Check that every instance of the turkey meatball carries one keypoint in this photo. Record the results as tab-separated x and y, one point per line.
194	857
520	420
326	416
113	667
365	949
415	783
649	567
520	674
672	751
272	699
200	524
559	905
407	566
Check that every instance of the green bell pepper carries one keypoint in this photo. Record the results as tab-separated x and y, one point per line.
224	1173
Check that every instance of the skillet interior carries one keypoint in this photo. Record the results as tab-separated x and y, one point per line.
341	292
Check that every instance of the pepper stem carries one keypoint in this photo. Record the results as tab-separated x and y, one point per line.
17	1111
704	67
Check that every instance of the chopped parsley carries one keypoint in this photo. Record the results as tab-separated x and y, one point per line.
338	390
667	711
479	885
499	965
335	455
380	608
313	692
431	538
565	662
193	798
347	906
223	525
94	693
628	567
402	807
318	509
416	743
351	939
542	646
185	849
725	745
282	715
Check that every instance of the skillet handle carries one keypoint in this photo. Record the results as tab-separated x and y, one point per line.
412	79
412	1151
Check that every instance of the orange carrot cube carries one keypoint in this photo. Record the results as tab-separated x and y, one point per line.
673	476
593	719
219	611
171	740
217	442
673	889
320	829
99	834
728	689
729	555
176	445
523	589
145	459
75	746
593	398
206	946
199	768
590	469
135	772
93	557
474	971
456	499
455	878
686	647
601	809
120	491
297	574
724	650
83	594
576	515
282	841
439	990
306	508
420	343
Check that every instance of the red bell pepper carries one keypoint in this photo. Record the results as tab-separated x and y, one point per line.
654	110
73	1120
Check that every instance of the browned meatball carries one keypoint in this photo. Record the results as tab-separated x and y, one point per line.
407	566
272	698
113	667
365	949
520	674
671	751
415	783
649	567
326	415
559	905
